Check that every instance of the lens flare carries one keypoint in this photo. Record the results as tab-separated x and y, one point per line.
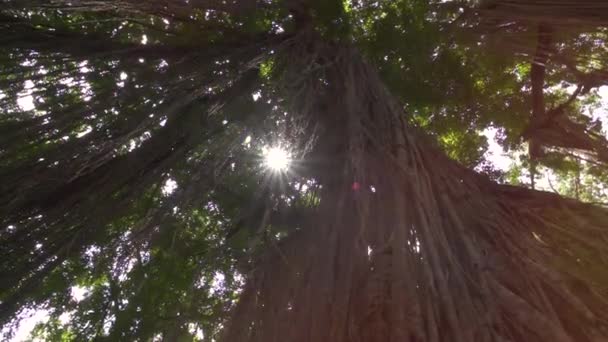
276	158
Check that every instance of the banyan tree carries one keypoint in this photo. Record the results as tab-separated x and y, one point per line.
132	136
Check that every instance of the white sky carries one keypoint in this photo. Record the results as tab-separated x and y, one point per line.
31	317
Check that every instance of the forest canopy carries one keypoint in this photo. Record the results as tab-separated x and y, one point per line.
304	170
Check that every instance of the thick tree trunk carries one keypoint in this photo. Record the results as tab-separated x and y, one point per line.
434	252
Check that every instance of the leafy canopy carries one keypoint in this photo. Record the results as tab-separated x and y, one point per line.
131	137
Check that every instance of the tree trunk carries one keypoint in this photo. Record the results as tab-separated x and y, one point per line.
435	252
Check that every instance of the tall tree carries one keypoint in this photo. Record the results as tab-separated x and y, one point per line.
130	167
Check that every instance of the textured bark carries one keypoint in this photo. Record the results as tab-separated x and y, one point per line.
435	253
